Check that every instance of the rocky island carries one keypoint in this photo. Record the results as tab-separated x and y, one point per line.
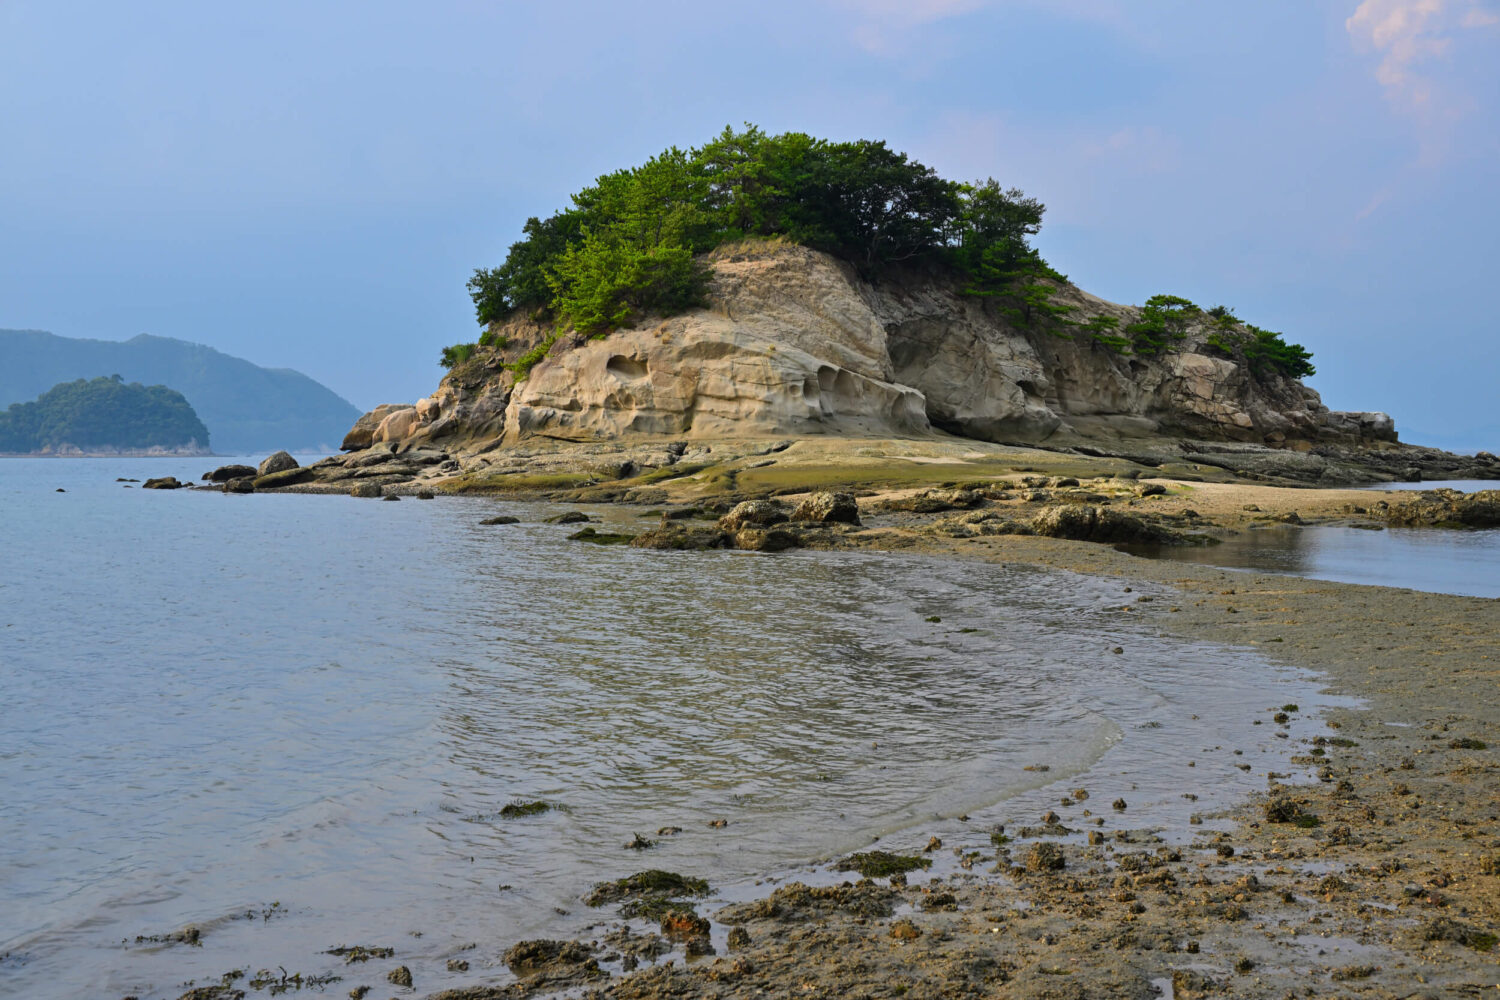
685	316
103	416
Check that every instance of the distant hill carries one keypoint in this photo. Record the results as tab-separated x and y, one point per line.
245	407
90	416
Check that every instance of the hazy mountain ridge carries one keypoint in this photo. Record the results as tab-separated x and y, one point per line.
246	408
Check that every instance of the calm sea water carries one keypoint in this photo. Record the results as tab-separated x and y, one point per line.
293	721
1437	560
1462	485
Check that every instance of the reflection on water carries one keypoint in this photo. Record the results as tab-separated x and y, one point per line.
219	702
1438	560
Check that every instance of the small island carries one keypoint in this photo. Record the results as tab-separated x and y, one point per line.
103	416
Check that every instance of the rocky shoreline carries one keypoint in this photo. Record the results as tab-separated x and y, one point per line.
1379	878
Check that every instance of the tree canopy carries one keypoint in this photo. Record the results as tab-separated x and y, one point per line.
631	244
628	244
105	412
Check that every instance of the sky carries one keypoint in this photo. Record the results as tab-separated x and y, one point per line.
310	184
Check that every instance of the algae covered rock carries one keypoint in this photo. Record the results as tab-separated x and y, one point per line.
673	536
162	483
367	491
934	501
553	959
828	508
1087	523
1445	508
766	539
754	513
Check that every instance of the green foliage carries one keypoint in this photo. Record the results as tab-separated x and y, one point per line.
105	412
1102	330
627	247
1264	351
1267	351
1164	320
491	338
456	355
522	366
600	284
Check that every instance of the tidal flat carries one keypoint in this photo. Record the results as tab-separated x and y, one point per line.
1377	849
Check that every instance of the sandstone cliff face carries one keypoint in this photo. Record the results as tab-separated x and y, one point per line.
794	343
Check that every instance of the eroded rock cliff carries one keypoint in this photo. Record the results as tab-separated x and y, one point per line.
792	342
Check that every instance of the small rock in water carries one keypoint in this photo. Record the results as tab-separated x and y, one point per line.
502	519
718	824
639	843
1119	804
390	496
400	976
933	845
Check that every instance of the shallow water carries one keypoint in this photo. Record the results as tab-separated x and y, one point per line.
1434	559
1462	485
294	721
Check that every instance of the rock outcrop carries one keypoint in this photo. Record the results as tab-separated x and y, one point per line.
793	342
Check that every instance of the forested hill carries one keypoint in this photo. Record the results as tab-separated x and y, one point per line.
104	414
245	407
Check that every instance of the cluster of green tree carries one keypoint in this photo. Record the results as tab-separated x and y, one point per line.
105	412
631	244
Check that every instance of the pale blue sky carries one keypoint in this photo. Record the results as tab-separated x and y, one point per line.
310	184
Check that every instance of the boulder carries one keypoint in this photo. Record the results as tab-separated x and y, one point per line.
825	507
766	539
279	462
675	536
162	483
240	486
501	519
366	490
1087	523
753	513
286	477
225	473
362	434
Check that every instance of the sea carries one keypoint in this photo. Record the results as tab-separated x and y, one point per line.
241	732
1443	561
